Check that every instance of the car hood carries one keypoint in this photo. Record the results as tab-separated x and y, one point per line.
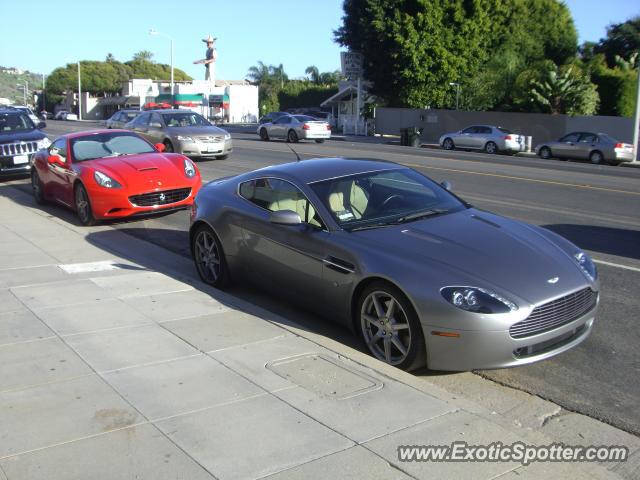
146	171
32	135
478	246
197	131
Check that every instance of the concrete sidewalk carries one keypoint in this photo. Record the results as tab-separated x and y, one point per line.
117	363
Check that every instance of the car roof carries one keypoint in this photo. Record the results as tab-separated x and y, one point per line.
318	169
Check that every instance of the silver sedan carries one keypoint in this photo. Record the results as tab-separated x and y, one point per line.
595	147
183	131
121	118
293	128
423	277
484	137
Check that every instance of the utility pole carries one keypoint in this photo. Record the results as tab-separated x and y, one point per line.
636	122
44	98
457	85
79	95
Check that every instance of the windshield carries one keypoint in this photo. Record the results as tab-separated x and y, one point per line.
15	122
185	120
105	145
305	118
505	130
381	198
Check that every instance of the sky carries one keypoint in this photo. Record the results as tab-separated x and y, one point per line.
296	33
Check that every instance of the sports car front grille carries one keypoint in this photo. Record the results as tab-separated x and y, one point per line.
556	313
160	198
18	148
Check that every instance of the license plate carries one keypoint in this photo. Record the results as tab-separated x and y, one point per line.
214	147
19	159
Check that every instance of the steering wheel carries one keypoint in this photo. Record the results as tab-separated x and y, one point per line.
391	199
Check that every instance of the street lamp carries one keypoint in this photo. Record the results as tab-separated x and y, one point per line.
457	85
25	91
153	32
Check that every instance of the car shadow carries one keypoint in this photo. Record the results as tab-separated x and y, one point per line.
612	241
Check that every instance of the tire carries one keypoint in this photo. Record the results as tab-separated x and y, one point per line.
320	140
222	157
36	187
596	157
168	146
545	152
209	258
378	332
264	135
491	148
292	136
83	206
448	144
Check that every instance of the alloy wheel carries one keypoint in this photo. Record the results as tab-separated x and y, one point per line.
596	158
491	148
386	327
207	256
448	144
36	186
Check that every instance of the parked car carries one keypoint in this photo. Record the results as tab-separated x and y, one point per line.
34	118
20	139
271	117
484	137
60	115
595	147
293	128
421	275
105	174
183	131
121	118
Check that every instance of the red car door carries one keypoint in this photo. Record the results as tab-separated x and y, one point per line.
61	176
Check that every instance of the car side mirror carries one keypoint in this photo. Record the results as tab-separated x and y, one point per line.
55	160
285	217
41	125
446	185
160	147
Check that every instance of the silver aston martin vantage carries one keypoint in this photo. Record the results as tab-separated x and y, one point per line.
421	275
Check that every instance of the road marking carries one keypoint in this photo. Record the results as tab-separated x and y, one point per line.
535	180
617	265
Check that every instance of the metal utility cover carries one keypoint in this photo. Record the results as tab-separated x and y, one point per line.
323	376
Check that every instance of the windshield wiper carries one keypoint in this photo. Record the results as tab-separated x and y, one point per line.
370	226
421	214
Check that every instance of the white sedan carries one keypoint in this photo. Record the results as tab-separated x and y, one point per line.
293	128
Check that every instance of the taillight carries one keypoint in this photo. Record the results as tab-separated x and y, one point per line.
619	145
328	127
305	126
508	137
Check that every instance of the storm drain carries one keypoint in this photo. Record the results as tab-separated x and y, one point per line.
324	376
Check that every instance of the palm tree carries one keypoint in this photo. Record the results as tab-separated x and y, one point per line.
565	92
259	73
143	55
277	73
314	73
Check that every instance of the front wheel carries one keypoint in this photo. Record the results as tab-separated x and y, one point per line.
83	207
448	144
36	186
545	152
168	146
209	258
292	136
491	148
389	326
264	135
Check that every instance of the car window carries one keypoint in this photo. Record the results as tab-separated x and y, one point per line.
12	122
283	120
469	130
572	137
155	118
484	130
383	197
275	195
128	116
184	119
505	130
142	120
107	145
304	118
608	138
59	147
588	138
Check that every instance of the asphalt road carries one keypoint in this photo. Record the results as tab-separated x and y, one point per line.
596	207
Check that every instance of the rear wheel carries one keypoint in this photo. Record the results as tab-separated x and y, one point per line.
83	207
448	144
389	326
168	146
36	187
596	157
292	136
209	258
491	148
320	140
264	135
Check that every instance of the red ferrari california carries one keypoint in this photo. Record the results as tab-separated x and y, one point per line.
106	174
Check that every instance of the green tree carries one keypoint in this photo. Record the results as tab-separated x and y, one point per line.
623	39
143	55
314	73
259	73
565	90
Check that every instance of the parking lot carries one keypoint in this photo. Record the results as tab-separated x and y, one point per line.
594	206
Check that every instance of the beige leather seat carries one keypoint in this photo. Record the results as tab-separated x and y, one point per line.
299	206
358	200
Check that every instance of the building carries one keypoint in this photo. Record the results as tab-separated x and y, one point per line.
344	108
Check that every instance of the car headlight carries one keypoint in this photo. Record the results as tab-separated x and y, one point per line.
478	300
184	139
227	136
44	143
105	180
189	168
586	265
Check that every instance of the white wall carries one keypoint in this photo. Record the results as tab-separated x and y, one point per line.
243	103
